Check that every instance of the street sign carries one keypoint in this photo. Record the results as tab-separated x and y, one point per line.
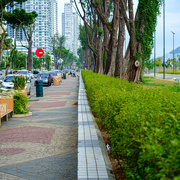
39	52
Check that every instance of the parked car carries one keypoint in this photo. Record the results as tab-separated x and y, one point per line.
46	77
7	84
25	73
2	76
31	75
58	72
53	73
35	72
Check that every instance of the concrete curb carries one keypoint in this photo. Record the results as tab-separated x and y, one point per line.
22	115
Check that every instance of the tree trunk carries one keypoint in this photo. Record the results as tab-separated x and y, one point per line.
131	70
119	70
110	65
29	62
1	43
100	51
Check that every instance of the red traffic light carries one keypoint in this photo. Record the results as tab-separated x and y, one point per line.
39	52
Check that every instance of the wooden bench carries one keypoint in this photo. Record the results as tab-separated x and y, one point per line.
6	106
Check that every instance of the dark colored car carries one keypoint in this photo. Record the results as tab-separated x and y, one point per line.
35	72
53	73
46	77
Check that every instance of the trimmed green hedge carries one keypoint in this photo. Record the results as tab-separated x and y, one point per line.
144	125
20	103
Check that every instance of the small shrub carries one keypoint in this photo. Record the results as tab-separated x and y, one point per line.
19	82
20	103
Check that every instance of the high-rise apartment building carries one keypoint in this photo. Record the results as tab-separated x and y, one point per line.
70	28
54	14
46	22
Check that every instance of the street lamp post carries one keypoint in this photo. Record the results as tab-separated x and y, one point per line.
154	53
163	39
173	51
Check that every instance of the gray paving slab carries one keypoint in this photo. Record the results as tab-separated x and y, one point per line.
43	146
54	167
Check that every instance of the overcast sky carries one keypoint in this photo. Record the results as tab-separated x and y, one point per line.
172	19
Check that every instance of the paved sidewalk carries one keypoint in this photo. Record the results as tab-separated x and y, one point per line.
43	146
93	159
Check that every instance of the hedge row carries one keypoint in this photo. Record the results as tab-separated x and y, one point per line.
144	125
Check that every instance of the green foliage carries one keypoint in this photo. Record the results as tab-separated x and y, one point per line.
47	60
83	36
19	60
78	64
148	17
144	125
168	63
20	17
19	83
149	64
36	63
158	61
20	104
99	30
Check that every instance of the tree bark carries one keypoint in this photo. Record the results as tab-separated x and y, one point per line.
1	42
100	51
131	70
112	46
120	66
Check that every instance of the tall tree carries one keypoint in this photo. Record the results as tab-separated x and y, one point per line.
7	45
140	29
57	44
28	31
20	18
3	4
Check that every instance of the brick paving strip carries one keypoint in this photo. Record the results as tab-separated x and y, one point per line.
43	146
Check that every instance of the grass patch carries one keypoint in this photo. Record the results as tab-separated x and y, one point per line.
152	82
157	82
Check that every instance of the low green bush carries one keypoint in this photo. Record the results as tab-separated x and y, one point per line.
144	125
19	82
20	103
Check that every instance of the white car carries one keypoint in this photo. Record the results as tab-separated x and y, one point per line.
31	75
7	84
25	73
2	76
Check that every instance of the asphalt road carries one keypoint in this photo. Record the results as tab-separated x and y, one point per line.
167	76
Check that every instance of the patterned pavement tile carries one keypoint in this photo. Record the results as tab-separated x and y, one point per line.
67	121
48	105
11	151
12	122
63	87
59	93
45	115
58	167
27	134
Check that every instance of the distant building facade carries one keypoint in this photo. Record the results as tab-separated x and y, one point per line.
46	24
70	28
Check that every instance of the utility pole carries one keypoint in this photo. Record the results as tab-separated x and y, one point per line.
173	52
163	39
154	53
